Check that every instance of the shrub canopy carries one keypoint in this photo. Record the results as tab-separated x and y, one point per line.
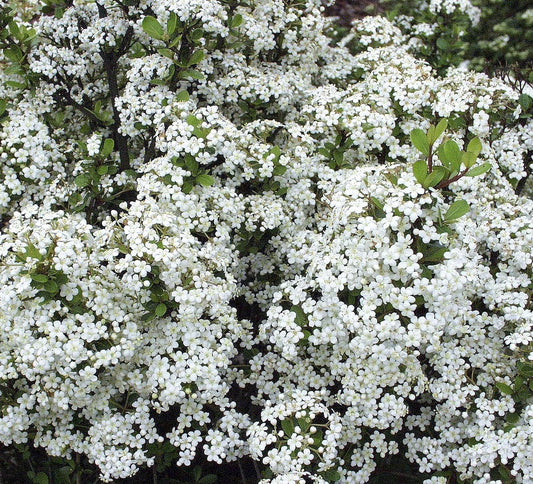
214	246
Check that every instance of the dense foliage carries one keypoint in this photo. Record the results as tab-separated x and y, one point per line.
238	243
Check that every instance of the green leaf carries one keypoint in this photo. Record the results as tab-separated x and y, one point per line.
40	478
420	142
166	53
14	53
474	146
192	74
504	389
82	180
304	424
420	170
196	35
172	22
525	101
182	96
512	418
187	187
434	254
102	170
193	120
505	475
287	426
205	180
450	155
377	203
197	57
15	85
434	177
197	472
301	317
33	252
338	156
40	278
236	21
442	43
51	286
152	27
160	310
468	158
440	128
279	170
479	170
175	42
331	475
430	135
14	29
525	369
208	479
107	148
3	106
457	209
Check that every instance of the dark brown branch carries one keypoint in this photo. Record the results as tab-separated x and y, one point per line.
110	63
64	95
451	180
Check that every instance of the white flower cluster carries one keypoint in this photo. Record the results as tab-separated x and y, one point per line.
252	269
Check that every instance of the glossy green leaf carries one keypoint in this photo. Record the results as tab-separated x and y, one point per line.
40	478
40	278
205	180
331	475
153	28
450	155
14	29
479	170
434	177
196	35
107	147
420	142
166	53
525	369
440	128
182	96
525	101
468	158
82	180
14	53
301	317
420	170
512	418
196	58
172	22
208	479
236	21
192	74
474	146
287	426
51	286
457	209
160	310
504	389
443	44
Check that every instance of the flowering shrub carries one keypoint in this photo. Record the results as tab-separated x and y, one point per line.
227	237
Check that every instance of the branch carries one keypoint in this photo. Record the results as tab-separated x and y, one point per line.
65	95
110	63
451	180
